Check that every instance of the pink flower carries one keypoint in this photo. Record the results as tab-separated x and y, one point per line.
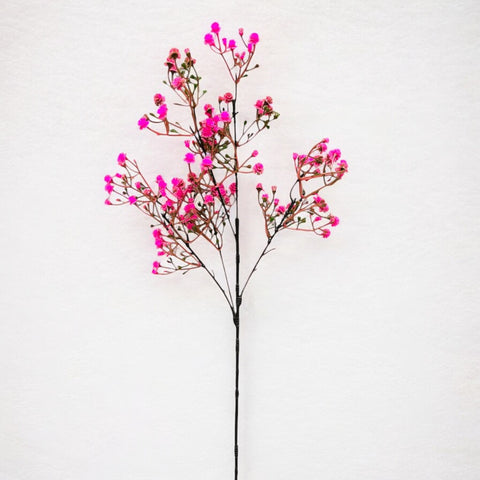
258	168
121	159
108	179
215	27
109	188
209	199
322	204
178	83
132	199
228	97
187	143
240	31
207	132
254	153
108	202
259	186
208	110
158	99
207	162
161	182
334	221
209	40
162	111
143	123
225	116
342	168
254	38
233	188
189	157
281	210
334	154
232	44
325	233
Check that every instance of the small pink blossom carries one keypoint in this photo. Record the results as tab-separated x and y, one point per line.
254	153
108	179
258	168
161	182
187	143
121	159
158	99
209	199
208	110
232	45
228	97
325	233
189	157
108	202
109	188
209	40
162	111
207	132
334	221
342	168
132	199
178	83
259	186
233	188
207	162
143	123
215	27
254	38
225	116
240	31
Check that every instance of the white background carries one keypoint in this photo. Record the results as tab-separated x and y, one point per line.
360	353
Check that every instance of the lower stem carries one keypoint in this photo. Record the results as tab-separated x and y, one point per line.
236	320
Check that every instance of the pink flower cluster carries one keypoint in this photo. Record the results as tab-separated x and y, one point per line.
264	107
215	126
199	205
308	211
320	163
184	209
241	55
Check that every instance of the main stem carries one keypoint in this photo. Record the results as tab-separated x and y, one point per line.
238	295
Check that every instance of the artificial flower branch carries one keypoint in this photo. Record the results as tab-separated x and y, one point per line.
201	206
